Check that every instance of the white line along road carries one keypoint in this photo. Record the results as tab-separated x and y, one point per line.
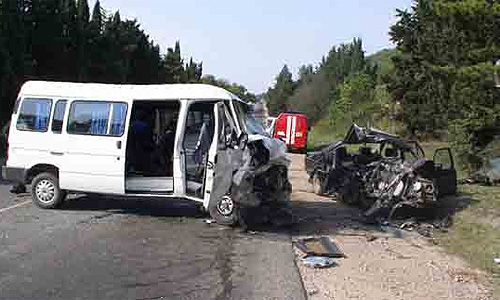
14	206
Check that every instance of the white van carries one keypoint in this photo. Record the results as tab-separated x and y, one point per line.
189	141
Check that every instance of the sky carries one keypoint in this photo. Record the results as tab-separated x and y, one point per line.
249	41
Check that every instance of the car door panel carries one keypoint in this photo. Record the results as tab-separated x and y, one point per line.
445	173
96	163
223	158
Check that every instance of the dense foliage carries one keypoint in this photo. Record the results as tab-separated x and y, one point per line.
278	96
444	71
438	82
342	87
61	40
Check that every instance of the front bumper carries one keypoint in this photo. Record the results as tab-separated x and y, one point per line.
17	175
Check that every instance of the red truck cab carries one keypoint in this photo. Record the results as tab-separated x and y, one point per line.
292	128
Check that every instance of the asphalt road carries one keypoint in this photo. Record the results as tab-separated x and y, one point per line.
136	249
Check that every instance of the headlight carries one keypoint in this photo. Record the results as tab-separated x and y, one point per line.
399	189
381	185
417	186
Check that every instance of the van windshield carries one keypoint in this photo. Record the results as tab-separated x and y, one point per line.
248	122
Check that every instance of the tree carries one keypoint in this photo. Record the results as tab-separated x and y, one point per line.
277	97
193	71
318	87
82	21
174	69
97	69
97	20
444	71
312	96
69	39
344	60
306	73
59	40
15	50
355	102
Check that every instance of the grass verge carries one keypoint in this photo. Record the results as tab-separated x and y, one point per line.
475	234
322	134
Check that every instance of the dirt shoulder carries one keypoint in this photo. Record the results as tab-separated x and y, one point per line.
382	262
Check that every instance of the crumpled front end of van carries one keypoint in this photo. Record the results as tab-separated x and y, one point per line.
261	185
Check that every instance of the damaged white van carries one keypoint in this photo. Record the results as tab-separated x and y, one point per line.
188	141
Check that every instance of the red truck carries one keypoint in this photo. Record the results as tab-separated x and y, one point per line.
292	128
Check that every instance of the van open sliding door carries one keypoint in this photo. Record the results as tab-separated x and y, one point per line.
149	167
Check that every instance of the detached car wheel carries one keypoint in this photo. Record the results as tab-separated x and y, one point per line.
224	211
45	191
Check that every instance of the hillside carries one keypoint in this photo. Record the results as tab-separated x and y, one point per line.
383	59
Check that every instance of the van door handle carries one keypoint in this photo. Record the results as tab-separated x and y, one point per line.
119	144
57	153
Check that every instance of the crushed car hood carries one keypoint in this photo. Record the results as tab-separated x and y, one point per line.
361	135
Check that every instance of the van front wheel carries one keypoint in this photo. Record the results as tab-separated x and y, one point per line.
223	211
45	191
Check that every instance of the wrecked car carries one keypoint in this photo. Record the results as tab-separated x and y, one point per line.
189	141
381	172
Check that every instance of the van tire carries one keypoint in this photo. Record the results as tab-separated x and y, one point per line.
45	191
224	211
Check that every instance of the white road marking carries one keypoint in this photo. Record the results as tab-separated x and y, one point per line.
14	206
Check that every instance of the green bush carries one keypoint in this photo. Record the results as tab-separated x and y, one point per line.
477	114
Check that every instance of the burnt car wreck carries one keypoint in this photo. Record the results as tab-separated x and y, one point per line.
381	172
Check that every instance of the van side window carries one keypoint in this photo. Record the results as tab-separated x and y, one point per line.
118	119
57	120
34	114
88	118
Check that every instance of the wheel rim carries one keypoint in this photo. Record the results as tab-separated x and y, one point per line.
45	191
226	206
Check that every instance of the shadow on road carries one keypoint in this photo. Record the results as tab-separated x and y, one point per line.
3	182
328	217
136	206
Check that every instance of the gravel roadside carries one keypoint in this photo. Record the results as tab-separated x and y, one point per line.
382	262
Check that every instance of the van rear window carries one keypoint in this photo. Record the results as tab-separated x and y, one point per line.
34	114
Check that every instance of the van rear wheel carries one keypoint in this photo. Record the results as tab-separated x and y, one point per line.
224	211
45	191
